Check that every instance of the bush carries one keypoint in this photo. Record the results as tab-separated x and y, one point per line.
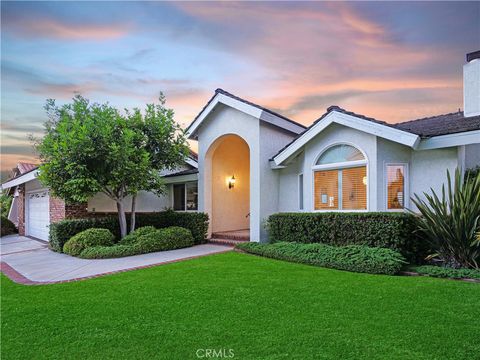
165	239
197	223
374	229
7	227
356	258
132	238
150	241
450	221
444	272
86	239
106	252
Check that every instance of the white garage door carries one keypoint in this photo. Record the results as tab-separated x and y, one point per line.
38	214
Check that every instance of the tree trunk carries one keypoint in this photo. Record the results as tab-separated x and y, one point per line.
122	219
132	215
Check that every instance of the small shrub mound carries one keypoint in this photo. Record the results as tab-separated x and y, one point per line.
444	272
133	237
356	258
86	239
7	227
196	222
145	241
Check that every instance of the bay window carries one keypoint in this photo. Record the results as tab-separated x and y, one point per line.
340	179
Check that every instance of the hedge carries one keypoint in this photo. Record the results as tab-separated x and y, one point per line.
169	238
445	272
196	222
7	227
88	238
356	258
375	229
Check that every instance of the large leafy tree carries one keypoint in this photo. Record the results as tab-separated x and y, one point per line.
90	148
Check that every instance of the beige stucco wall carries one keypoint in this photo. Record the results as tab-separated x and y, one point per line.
230	206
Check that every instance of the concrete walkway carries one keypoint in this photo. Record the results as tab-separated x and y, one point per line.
30	261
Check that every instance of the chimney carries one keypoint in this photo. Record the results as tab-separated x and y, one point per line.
471	85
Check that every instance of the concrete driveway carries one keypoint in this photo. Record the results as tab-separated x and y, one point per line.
29	261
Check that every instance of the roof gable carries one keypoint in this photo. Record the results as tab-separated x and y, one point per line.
263	114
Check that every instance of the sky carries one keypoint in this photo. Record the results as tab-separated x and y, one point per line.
394	61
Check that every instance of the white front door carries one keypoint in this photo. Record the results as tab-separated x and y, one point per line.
38	214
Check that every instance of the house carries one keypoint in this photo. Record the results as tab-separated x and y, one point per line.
253	162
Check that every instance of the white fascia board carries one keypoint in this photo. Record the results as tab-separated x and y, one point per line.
281	123
191	162
443	141
180	178
32	175
353	122
220	98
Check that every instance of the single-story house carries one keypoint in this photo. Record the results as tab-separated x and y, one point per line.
253	162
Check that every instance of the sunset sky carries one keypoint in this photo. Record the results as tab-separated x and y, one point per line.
392	61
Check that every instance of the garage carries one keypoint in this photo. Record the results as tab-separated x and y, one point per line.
37	214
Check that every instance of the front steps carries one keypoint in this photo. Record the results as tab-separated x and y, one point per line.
230	238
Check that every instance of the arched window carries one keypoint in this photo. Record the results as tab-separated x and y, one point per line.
340	179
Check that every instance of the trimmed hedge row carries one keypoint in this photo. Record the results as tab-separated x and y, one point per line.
356	258
142	241
375	229
196	222
443	272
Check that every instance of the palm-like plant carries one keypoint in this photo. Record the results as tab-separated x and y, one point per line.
452	223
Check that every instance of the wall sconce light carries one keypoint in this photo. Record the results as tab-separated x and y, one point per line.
364	180
231	182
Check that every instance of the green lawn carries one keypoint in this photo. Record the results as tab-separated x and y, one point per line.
259	308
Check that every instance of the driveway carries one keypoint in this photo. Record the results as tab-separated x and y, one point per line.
29	261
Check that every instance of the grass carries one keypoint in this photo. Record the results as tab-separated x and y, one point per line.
260	308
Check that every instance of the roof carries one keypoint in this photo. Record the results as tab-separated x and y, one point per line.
193	155
441	124
226	93
445	124
26	167
183	172
253	109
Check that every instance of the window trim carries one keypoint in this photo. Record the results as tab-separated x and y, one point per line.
185	197
340	166
406	195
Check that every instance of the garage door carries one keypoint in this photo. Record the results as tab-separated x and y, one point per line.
38	215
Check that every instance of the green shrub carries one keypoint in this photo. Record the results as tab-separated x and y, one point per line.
106	252
356	258
170	238
197	223
7	227
444	272
86	239
375	229
450	221
132	238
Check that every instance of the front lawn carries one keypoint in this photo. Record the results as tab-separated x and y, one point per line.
260	308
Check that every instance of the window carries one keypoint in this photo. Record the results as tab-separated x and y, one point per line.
340	179
300	191
185	197
396	186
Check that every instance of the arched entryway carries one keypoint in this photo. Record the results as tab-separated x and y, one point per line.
227	181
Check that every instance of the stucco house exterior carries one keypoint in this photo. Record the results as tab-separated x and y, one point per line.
253	162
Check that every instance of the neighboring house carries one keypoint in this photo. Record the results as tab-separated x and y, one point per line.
253	162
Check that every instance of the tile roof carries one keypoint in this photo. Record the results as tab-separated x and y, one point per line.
26	167
425	127
441	124
183	172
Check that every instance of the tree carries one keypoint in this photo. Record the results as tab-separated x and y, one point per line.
91	148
